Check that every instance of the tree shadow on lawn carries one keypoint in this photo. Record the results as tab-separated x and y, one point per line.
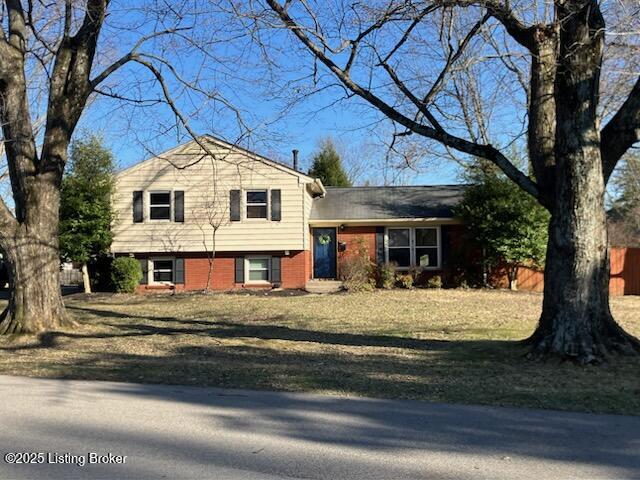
225	328
265	355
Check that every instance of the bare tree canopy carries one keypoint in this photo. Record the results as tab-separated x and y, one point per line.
477	76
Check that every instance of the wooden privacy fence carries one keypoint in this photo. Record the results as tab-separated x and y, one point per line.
625	274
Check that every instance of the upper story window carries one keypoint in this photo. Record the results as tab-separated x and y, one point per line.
256	203
160	205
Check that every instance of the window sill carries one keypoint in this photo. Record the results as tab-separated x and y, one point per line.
257	285
159	286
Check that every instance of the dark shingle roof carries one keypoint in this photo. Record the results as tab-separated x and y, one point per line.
359	203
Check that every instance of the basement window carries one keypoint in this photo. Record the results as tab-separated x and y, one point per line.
258	270
162	270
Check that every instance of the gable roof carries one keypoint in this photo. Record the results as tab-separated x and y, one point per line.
221	143
385	203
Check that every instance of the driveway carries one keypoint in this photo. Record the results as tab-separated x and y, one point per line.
186	432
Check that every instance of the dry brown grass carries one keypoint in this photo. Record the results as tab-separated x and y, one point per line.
438	345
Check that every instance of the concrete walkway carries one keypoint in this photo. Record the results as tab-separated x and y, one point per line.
183	432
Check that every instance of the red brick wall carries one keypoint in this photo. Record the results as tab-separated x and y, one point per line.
295	271
196	270
352	236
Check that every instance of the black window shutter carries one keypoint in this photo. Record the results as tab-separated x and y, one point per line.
445	246
234	205
380	245
179	274
276	214
239	269
138	206
178	202
144	264
275	270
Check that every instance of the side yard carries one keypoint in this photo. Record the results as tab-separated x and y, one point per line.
436	345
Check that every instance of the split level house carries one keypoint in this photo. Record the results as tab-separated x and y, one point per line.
267	224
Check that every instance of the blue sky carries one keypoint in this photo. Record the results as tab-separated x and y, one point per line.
133	133
302	129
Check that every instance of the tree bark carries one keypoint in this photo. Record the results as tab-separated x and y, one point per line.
86	281
33	262
576	320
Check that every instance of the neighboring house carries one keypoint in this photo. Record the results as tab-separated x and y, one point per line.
275	226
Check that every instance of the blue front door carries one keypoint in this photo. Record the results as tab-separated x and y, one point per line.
324	253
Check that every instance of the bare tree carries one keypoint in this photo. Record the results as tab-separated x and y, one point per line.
55	58
210	214
390	55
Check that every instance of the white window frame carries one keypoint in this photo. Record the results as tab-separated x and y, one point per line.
170	205
266	204
412	246
150	270
247	279
404	247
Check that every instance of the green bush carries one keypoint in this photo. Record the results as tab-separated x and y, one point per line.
405	280
126	274
387	276
435	282
356	271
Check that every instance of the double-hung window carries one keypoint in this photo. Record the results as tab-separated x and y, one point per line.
426	247
256	201
163	270
258	269
400	246
160	205
414	247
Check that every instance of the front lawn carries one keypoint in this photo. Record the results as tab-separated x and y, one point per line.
437	345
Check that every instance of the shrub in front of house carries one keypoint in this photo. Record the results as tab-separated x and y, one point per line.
435	282
387	275
357	270
405	280
126	274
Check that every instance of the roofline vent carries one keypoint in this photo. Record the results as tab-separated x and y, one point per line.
295	159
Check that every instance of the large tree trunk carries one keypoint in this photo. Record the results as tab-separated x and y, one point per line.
35	302
576	320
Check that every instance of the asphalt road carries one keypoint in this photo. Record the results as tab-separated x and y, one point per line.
183	432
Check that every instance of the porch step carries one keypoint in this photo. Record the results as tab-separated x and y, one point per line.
323	286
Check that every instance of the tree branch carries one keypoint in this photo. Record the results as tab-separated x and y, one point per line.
102	76
501	11
485	151
622	131
17	25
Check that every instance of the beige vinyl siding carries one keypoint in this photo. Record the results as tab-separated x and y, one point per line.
232	170
307	204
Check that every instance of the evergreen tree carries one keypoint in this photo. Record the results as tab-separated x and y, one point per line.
509	225
327	166
85	203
